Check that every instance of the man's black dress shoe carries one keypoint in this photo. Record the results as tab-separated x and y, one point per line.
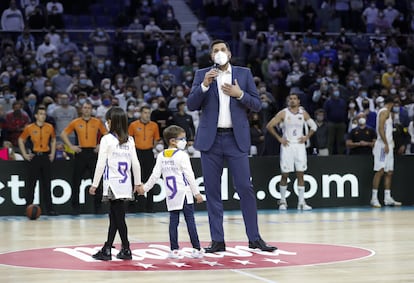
216	247
260	244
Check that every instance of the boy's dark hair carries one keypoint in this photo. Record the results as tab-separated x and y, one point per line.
172	132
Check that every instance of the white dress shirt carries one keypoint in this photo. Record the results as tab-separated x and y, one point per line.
224	117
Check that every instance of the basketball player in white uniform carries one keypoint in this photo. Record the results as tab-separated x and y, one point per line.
293	156
383	152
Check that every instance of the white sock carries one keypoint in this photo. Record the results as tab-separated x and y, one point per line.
374	194
301	190
387	194
283	190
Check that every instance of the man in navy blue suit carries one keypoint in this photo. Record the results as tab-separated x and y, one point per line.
224	94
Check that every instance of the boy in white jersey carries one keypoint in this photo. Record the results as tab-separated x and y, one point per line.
175	167
292	146
383	152
116	158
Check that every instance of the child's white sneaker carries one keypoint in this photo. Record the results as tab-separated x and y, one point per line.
197	253
174	254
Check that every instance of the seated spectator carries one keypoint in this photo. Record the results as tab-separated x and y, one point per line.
11	152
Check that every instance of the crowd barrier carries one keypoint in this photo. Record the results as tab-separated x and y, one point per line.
332	181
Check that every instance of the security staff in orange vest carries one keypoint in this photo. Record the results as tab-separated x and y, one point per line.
88	130
40	157
146	134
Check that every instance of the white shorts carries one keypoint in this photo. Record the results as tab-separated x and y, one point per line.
381	159
293	158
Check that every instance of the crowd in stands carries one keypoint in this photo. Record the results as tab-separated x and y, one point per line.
342	57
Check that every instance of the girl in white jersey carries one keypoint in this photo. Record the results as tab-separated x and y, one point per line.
116	158
175	167
292	146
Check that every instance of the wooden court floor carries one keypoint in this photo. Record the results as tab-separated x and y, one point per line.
388	232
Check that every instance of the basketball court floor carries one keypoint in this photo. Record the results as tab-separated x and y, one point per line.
323	245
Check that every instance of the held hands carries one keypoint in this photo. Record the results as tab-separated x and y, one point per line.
199	198
139	189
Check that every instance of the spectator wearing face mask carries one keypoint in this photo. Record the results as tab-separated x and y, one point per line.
178	97
100	40
125	97
63	114
363	96
184	120
105	106
153	92
62	80
361	139
336	116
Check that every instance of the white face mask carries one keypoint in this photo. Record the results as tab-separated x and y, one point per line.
362	121
221	58
159	147
107	126
181	144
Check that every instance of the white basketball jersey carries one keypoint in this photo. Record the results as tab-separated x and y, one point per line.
388	128
293	125
114	163
175	167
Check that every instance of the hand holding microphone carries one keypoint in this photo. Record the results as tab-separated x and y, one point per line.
210	76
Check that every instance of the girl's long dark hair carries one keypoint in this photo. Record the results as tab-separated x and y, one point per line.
119	123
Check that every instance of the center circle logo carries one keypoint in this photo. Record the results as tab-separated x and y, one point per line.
154	257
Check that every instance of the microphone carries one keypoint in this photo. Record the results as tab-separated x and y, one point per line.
216	66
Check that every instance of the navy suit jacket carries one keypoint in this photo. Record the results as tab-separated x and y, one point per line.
208	104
